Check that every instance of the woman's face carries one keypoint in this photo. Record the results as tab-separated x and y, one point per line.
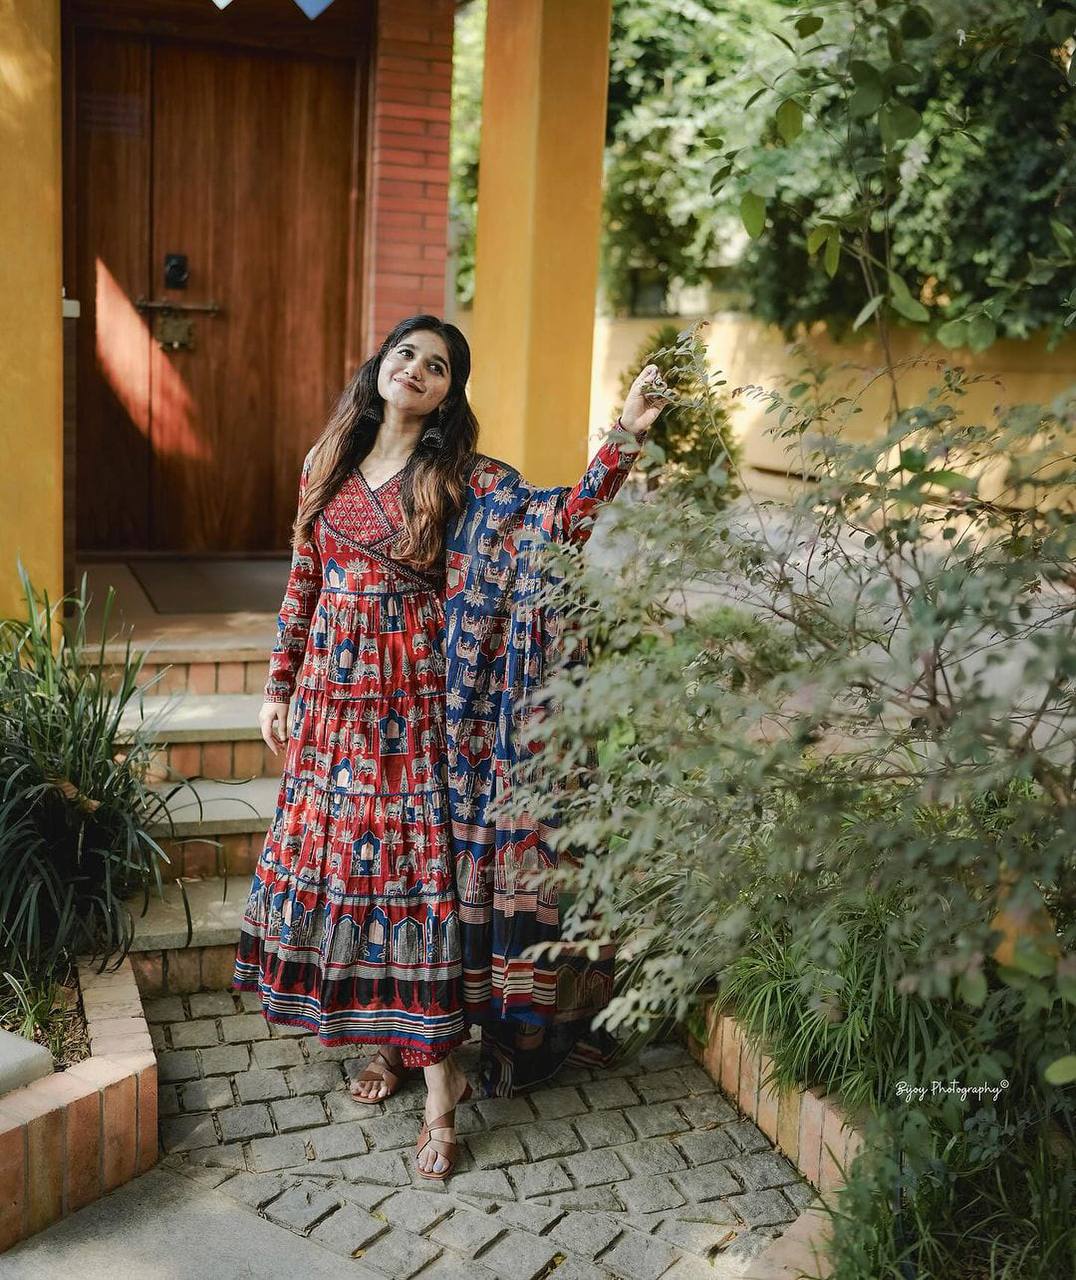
415	375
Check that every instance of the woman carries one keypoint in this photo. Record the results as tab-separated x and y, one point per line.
388	906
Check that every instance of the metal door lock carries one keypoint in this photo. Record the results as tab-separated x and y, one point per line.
173	330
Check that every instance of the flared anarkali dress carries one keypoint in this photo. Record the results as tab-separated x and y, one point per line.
404	687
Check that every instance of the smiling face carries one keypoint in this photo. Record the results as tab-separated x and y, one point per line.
415	375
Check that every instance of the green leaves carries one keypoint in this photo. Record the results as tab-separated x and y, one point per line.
977	332
865	101
1061	1070
1066	980
808	24
1065	237
873	87
981	332
753	213
972	988
901	300
898	121
720	176
827	237
868	309
789	120
1061	25
953	333
916	23
951	480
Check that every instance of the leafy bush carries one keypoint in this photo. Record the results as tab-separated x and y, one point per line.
75	807
672	75
694	433
866	788
894	723
891	133
943	1176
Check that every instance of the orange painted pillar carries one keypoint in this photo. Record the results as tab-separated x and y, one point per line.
544	90
31	333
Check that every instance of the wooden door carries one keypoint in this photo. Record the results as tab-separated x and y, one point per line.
243	160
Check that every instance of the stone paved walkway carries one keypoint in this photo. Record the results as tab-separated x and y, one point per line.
642	1172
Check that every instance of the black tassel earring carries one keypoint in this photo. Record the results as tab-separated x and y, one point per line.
434	437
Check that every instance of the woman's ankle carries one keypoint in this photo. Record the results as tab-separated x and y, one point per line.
445	1073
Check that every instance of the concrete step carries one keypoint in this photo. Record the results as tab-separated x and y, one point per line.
164	962
206	675
226	836
213	735
191	717
186	660
22	1061
212	808
216	906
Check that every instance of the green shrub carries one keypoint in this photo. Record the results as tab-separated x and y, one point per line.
968	181
692	434
835	781
75	808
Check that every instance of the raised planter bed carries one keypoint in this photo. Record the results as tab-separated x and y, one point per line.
72	1136
812	1129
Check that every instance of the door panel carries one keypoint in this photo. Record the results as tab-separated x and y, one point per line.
111	174
250	181
247	172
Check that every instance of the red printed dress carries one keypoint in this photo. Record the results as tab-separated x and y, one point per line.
351	927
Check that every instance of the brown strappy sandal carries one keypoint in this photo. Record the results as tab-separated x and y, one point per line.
447	1124
390	1076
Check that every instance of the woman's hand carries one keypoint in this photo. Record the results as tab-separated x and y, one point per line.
273	722
646	399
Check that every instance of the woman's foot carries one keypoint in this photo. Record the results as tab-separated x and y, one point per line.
381	1076
446	1085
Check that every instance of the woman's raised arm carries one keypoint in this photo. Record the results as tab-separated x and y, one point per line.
609	467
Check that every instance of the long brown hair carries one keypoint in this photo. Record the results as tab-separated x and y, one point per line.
434	483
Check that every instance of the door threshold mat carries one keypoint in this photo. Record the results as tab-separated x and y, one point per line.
213	586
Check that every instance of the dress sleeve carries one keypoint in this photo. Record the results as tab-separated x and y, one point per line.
293	622
607	471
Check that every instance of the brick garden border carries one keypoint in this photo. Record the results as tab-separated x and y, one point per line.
71	1137
812	1128
184	970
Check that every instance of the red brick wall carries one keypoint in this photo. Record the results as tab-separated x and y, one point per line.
407	189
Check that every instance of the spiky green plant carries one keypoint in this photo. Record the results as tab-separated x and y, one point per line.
76	807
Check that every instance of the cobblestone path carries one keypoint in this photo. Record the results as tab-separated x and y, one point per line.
642	1172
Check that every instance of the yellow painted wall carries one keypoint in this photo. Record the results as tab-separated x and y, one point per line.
31	403
539	223
750	353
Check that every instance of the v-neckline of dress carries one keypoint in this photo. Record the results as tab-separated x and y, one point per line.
373	491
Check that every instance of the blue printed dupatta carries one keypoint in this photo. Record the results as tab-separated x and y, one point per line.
535	1012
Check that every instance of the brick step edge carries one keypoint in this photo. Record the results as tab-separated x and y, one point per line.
812	1128
70	1138
218	675
184	970
225	853
232	759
